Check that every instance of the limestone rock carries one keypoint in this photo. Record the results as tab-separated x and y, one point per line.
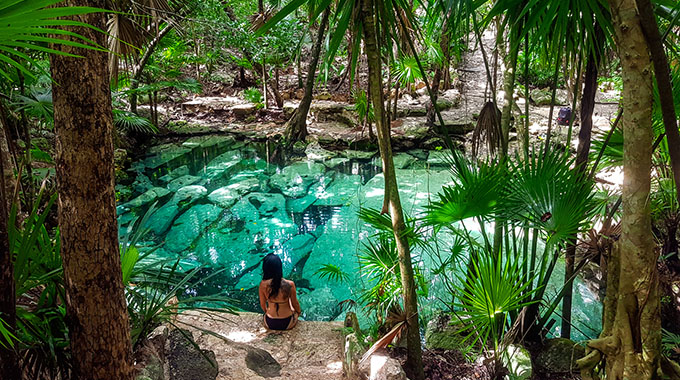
438	158
185	362
185	180
401	161
315	152
359	154
541	97
558	355
141	184
262	362
299	205
224	164
179	172
335	162
380	366
294	249
343	189
162	219
294	180
441	334
188	195
518	362
242	110
190	225
146	198
228	195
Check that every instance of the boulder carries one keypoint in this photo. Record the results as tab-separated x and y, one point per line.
315	152
417	131
189	226
358	154
249	280
558	355
141	184
185	361
439	158
401	161
343	189
262	363
441	334
224	164
243	110
149	196
518	362
185	180
162	219
541	97
188	195
228	195
335	162
294	180
179	172
380	366
294	249
299	205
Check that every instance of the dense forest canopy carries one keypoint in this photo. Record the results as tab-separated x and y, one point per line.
454	179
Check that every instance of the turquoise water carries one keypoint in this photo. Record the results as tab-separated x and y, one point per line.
220	204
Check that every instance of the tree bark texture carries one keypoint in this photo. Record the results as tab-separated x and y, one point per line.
663	81
97	318
414	362
9	362
296	130
632	325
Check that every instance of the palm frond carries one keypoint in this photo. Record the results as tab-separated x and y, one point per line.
332	272
130	122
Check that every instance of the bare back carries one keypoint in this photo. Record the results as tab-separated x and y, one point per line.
284	304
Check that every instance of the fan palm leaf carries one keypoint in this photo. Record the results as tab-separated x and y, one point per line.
34	25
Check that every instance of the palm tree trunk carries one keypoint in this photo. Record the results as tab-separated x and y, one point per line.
584	137
97	318
663	80
9	362
631	338
297	126
414	364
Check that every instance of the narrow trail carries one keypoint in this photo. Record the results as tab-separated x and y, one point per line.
311	351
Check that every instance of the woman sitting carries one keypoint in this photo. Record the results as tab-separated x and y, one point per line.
278	296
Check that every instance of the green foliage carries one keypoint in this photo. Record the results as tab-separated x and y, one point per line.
332	272
406	71
30	26
363	108
6	337
253	95
490	292
38	104
541	70
670	343
127	122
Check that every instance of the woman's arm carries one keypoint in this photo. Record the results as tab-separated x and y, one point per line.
294	300
263	297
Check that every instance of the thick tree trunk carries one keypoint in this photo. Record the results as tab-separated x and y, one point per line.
414	364
632	324
584	139
297	125
95	305
9	362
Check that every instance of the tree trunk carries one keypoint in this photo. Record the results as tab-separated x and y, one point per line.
584	139
97	318
663	80
631	337
414	364
297	126
9	362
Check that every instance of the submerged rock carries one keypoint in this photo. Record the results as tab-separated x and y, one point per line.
319	304
185	180
188	195
179	172
294	180
358	154
335	162
162	219
343	189
294	250
189	226
228	195
299	205
224	164
439	158
146	198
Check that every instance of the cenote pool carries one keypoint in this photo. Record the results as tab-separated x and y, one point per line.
220	204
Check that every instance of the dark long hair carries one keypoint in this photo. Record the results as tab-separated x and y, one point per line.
272	268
